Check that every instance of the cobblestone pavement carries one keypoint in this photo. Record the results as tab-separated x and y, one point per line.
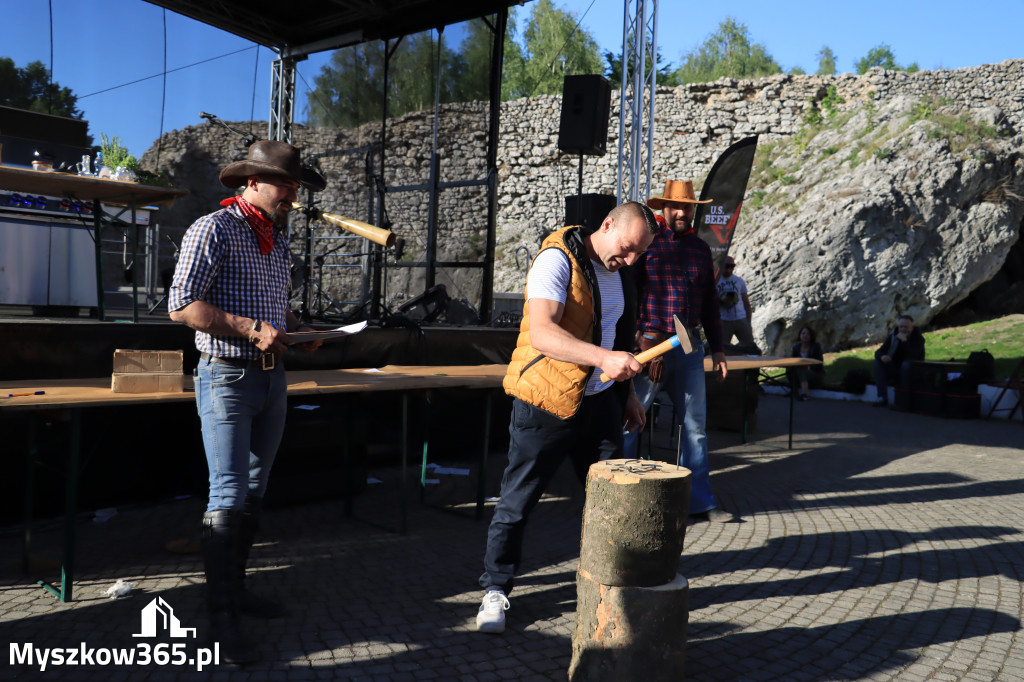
884	546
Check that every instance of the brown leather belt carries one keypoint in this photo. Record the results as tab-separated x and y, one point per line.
267	361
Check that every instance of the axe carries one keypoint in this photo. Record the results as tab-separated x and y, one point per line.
682	338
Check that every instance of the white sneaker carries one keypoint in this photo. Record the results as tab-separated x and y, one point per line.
491	616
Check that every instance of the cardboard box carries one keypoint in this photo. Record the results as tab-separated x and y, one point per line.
144	361
152	382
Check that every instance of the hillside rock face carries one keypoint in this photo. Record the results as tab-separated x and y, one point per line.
904	195
876	216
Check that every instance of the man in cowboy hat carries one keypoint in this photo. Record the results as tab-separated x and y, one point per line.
677	277
231	285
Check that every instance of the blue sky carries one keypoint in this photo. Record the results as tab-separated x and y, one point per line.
111	52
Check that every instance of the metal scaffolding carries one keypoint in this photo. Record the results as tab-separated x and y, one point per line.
282	99
636	99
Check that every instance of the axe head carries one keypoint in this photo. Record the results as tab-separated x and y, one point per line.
685	342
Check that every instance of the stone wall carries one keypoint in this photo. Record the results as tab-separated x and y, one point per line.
694	123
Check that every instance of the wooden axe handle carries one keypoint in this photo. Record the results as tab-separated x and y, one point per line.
649	354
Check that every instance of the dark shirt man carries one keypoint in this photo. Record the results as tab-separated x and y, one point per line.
579	320
892	359
677	277
231	285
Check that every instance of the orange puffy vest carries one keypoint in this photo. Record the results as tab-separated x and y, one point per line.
555	386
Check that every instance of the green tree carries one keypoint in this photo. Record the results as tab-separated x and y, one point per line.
882	56
475	51
350	89
31	88
826	62
666	76
728	52
553	47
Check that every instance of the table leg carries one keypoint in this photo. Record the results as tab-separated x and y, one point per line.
743	427
405	462
792	400
67	569
481	476
26	546
346	453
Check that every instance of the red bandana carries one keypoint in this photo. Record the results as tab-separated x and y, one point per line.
260	224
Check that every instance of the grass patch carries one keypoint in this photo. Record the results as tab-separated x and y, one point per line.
1003	337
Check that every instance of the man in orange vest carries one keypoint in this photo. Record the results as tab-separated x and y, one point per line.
578	321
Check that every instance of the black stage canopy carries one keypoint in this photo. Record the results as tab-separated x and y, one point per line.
299	27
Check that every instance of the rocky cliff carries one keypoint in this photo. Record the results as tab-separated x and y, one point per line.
871	195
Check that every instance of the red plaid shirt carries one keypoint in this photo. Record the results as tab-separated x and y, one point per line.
677	277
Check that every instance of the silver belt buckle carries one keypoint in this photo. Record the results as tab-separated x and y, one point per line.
269	361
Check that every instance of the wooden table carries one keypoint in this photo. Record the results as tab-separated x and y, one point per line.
736	362
78	394
96	190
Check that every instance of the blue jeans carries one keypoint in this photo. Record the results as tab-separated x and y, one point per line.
887	373
684	382
242	413
539	443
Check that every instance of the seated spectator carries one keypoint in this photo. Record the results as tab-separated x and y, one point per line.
892	360
806	377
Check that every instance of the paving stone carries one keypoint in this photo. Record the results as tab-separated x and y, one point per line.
884	547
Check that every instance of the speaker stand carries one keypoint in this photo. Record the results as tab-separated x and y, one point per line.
579	192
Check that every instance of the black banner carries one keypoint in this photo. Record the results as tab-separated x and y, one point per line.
726	184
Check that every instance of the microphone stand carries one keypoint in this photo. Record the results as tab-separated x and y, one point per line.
248	139
379	257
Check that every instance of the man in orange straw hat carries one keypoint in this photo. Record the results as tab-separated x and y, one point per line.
677	277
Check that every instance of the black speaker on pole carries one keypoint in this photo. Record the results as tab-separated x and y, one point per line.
588	210
584	125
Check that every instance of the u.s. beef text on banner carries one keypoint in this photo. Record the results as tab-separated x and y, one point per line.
726	184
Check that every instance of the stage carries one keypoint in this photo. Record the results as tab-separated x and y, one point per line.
153	452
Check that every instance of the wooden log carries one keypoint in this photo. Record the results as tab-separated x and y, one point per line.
634	522
629	633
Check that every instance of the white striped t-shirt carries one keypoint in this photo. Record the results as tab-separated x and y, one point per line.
549	279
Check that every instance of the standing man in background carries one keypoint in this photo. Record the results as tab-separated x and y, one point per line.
231	285
736	311
579	320
677	277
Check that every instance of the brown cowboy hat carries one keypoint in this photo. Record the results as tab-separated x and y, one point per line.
676	191
271	158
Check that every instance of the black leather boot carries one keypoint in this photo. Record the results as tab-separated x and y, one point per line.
221	538
251	604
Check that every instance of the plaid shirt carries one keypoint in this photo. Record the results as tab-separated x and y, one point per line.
221	264
677	277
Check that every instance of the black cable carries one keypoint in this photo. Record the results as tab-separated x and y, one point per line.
163	100
252	107
49	90
559	52
167	71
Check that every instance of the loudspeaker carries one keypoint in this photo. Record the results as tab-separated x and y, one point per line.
427	306
588	210
584	125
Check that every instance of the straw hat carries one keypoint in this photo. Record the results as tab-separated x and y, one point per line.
676	191
271	158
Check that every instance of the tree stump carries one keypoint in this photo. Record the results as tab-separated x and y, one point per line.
629	633
634	522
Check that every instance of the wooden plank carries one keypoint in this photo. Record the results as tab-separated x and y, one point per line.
85	187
